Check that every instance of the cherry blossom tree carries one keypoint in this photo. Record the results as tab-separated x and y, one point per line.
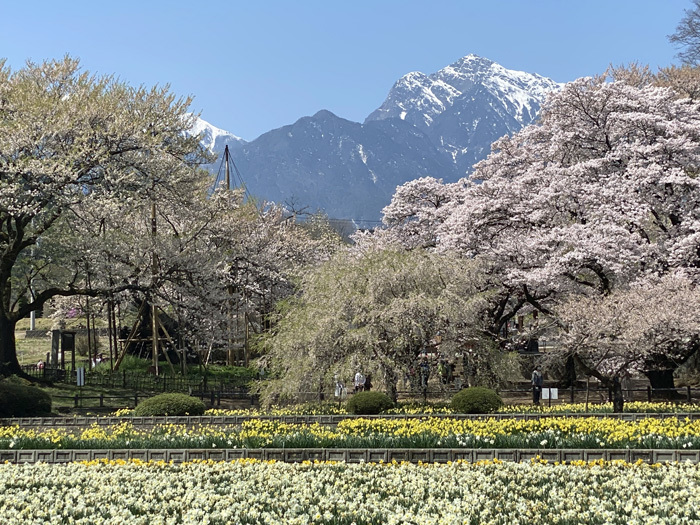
649	327
214	263
600	192
603	188
76	152
416	211
250	258
414	219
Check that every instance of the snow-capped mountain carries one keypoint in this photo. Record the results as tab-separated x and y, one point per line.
438	124
421	98
214	138
467	105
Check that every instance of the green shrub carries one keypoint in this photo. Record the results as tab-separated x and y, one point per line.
21	399
369	403
476	400
170	405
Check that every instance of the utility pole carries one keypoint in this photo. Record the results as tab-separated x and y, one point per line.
229	357
227	161
154	272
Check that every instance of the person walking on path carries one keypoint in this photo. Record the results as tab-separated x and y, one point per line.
536	386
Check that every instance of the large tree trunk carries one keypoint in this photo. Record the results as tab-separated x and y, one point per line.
662	383
613	384
569	375
391	380
9	364
618	399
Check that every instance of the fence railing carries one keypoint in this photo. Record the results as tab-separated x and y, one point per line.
212	397
298	455
214	390
598	394
594	394
139	381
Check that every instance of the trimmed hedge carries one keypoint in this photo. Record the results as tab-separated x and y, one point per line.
368	403
170	405
20	399
476	400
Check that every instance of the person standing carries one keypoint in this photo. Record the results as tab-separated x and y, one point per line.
339	387
359	382
537	382
424	373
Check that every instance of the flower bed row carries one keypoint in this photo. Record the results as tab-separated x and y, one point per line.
634	407
329	408
249	491
428	432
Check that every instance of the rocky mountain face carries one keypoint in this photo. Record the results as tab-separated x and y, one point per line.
466	106
437	125
347	169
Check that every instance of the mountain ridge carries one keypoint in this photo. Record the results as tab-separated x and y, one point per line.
428	125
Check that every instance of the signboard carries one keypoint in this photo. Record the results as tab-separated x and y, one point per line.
80	375
550	393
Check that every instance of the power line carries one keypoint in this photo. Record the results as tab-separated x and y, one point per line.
354	221
237	175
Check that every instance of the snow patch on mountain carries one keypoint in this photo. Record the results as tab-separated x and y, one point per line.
363	157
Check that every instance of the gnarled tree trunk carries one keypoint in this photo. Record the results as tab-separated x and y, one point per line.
391	380
662	383
9	364
616	393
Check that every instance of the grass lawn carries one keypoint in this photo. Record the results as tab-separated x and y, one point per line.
63	397
33	349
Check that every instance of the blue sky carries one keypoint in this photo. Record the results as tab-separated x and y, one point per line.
256	65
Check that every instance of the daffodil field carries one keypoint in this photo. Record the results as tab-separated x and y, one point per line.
643	407
426	432
255	492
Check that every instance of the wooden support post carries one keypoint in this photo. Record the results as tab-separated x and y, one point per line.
131	337
154	342
165	353
154	273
